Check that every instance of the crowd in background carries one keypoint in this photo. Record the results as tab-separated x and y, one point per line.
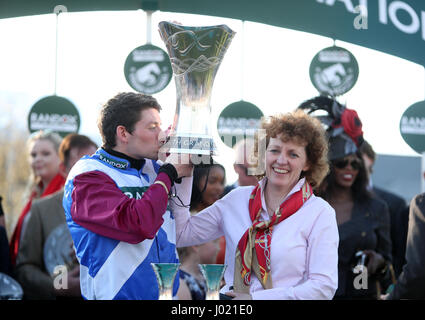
376	239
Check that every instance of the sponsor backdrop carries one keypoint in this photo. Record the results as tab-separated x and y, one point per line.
412	126
334	71
147	69
392	26
54	113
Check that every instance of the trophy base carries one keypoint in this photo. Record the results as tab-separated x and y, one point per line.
191	145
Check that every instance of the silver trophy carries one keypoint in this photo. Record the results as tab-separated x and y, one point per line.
195	55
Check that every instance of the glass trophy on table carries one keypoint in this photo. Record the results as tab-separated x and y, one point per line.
165	275
213	274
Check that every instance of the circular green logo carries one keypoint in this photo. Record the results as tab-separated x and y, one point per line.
412	126
239	120
147	69
54	113
334	71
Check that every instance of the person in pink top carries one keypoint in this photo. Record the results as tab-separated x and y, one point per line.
281	240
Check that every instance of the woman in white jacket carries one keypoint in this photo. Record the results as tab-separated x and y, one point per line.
281	240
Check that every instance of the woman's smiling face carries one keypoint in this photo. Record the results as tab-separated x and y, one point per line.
215	185
284	163
44	159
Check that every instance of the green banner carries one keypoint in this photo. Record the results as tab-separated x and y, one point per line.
396	27
391	26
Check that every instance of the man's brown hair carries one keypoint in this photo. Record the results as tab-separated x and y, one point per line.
122	110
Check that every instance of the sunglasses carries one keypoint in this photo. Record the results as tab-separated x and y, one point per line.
341	164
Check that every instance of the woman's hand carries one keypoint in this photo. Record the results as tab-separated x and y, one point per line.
238	295
375	261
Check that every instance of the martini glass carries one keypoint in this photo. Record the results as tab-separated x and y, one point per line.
213	273
165	274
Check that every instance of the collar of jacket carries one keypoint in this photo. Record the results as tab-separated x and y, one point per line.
134	163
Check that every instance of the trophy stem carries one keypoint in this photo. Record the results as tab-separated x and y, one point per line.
213	273
165	274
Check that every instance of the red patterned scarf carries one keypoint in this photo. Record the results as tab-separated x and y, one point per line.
259	237
55	185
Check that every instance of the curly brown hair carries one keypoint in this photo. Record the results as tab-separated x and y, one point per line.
301	129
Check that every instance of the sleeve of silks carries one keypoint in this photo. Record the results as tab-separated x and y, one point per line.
101	207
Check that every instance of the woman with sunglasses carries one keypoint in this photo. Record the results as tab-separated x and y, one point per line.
363	224
363	220
281	240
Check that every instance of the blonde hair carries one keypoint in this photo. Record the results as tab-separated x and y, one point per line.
55	139
51	136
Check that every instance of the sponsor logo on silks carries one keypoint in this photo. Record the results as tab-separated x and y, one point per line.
137	193
134	192
113	162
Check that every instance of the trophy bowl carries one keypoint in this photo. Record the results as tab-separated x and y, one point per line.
195	54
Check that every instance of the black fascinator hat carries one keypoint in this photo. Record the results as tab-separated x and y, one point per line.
343	125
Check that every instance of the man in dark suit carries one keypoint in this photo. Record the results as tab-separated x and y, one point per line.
399	212
399	218
411	283
46	214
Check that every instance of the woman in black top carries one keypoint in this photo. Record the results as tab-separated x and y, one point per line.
364	226
363	219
